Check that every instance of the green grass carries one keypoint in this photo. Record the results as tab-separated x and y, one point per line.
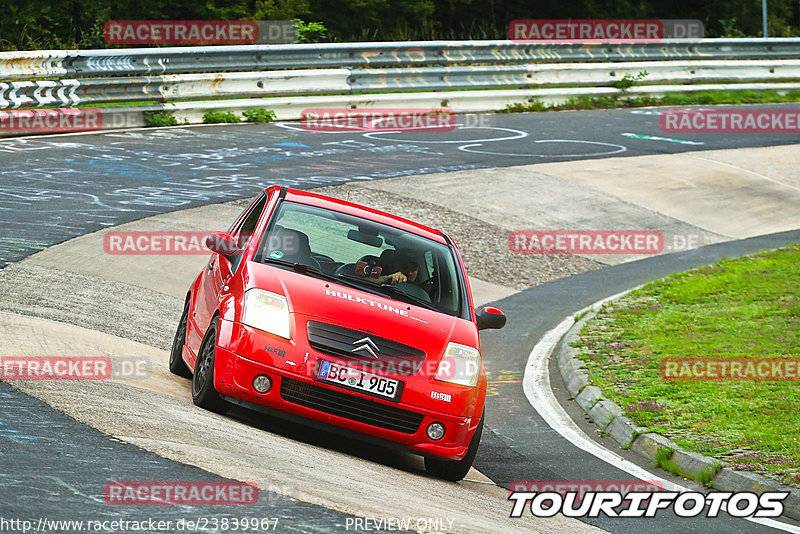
700	98
259	115
160	118
664	461
581	315
743	307
220	117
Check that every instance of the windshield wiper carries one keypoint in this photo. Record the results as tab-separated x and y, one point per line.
358	279
395	291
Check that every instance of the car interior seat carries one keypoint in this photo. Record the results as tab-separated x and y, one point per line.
294	246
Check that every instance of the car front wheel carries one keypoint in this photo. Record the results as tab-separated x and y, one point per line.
455	470
176	364
203	392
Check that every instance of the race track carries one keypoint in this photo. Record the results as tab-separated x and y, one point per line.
594	170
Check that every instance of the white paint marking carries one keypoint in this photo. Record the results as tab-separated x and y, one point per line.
517	134
646	137
617	149
295	127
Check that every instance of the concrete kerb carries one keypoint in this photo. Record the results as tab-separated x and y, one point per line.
609	418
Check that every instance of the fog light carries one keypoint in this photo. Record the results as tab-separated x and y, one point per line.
435	431
262	383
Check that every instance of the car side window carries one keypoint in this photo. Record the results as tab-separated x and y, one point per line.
244	231
429	263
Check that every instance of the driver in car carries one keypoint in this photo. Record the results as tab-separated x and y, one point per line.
408	271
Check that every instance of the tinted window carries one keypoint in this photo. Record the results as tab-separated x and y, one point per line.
365	253
244	230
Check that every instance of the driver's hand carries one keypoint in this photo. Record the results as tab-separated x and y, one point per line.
397	278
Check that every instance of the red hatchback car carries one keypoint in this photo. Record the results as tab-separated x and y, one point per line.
324	311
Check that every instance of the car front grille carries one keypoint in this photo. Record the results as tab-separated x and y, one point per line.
349	406
386	355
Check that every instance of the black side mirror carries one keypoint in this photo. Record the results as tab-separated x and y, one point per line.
490	317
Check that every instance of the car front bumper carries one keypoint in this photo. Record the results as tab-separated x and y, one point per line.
242	353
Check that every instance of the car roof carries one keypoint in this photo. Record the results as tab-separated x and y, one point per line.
335	204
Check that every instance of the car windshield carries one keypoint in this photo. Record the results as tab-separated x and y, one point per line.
373	256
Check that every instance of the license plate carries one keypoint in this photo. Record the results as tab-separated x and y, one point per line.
359	380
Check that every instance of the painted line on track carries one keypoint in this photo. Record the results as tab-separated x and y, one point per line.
617	149
517	134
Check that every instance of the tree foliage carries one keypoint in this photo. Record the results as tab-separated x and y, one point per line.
37	24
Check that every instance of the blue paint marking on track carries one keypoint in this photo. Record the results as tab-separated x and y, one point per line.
288	143
14	434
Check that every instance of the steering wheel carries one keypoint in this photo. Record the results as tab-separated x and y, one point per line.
322	257
427	285
413	290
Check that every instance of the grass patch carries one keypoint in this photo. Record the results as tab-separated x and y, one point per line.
635	434
160	118
581	315
259	115
700	98
707	475
742	307
629	80
221	117
664	461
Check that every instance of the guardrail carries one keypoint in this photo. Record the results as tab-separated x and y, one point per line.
160	61
67	78
42	93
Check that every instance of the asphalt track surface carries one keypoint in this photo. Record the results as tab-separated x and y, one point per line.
59	187
56	188
82	460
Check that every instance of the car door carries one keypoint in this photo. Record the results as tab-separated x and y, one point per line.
220	269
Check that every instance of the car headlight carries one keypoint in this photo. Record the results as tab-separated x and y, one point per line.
459	365
266	311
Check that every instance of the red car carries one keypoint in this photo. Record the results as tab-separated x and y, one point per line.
324	311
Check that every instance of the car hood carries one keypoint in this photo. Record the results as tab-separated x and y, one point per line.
329	302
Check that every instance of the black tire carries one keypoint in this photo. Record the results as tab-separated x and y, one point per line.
176	364
455	470
203	393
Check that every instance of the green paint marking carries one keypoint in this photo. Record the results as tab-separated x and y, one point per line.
667	139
